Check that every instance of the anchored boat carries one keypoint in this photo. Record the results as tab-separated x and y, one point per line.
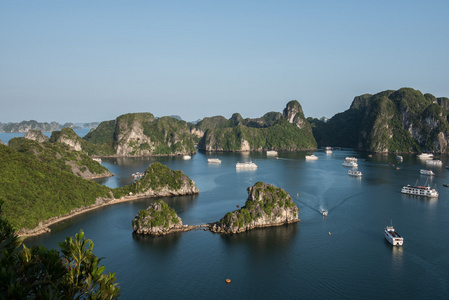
392	236
418	190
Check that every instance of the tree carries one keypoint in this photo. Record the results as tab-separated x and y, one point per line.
39	273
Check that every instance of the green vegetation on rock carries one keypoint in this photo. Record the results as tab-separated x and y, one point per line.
404	121
157	215
157	177
35	190
274	131
140	134
59	155
266	204
36	187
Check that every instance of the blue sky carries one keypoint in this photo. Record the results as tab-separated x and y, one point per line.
81	61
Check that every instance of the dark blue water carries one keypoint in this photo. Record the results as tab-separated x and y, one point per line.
296	261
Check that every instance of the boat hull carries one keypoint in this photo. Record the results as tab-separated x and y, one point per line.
395	241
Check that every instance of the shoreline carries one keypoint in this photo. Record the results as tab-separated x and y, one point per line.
44	225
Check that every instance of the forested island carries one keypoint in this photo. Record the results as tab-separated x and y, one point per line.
266	206
37	191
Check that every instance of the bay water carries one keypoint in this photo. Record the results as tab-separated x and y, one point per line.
341	256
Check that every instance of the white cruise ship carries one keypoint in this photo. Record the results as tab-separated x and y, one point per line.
214	161
350	163
426	172
246	165
272	153
425	156
424	191
354	173
392	236
434	162
311	157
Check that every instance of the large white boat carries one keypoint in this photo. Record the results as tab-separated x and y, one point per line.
246	165
425	155
214	161
350	163
434	162
351	158
354	173
426	172
272	153
311	157
424	191
392	236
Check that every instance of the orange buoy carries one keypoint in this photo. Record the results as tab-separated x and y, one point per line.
237	206
228	280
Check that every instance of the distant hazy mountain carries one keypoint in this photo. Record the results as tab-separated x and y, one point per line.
26	126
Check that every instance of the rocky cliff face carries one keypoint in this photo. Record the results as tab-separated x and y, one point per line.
67	136
158	219
142	134
266	206
159	181
37	136
404	120
289	131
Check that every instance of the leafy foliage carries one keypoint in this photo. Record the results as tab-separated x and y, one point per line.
57	154
404	120
157	176
38	273
35	190
153	217
263	200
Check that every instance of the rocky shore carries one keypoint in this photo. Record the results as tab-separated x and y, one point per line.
266	206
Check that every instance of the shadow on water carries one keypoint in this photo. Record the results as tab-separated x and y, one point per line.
264	238
157	243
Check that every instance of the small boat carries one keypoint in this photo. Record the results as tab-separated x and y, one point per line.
136	176
214	161
425	156
246	165
424	191
228	280
186	157
324	213
392	236
426	172
98	160
354	173
272	153
351	158
446	184
350	163
399	158
328	150
311	157
434	162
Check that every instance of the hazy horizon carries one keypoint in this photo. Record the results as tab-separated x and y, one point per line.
93	61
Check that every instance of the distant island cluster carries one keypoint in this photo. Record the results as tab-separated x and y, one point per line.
48	169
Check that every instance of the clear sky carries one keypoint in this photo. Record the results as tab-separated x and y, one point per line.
82	61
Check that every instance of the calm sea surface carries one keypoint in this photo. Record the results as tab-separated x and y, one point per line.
288	262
